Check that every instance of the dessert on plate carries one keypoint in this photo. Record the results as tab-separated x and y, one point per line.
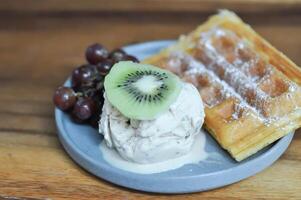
251	94
251	91
150	119
149	114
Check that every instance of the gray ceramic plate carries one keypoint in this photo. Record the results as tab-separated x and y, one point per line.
82	144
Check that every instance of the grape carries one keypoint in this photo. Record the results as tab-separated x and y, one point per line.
94	120
84	100
105	67
89	92
64	98
99	99
84	75
76	119
76	78
96	53
132	58
84	108
117	55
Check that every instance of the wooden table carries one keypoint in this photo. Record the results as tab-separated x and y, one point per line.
42	41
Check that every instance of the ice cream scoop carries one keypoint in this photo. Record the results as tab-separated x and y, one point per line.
170	135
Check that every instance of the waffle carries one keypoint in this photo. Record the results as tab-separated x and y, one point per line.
251	91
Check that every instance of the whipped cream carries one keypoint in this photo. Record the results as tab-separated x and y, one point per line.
170	135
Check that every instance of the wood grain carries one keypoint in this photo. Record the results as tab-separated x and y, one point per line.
39	46
247	6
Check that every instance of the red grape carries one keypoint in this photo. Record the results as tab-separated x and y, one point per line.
117	55
76	119
96	53
132	58
64	98
84	100
105	67
84	108
84	75
94	120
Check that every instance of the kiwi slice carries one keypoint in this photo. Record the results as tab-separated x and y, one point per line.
141	91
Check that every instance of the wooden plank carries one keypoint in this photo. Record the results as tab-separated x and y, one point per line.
248	6
59	46
53	175
40	45
27	123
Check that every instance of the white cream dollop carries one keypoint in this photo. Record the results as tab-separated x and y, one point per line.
169	136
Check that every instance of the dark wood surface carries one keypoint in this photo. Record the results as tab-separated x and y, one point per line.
248	6
41	42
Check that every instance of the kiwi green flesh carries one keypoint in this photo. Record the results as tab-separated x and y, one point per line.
122	89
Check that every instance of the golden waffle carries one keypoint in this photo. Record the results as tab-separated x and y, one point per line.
251	91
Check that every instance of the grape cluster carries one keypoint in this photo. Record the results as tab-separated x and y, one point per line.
84	99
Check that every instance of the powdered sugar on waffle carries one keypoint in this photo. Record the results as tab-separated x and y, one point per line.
196	67
236	80
236	77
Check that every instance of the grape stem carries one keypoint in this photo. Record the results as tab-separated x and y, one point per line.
79	94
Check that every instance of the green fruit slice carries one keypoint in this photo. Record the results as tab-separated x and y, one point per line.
141	91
